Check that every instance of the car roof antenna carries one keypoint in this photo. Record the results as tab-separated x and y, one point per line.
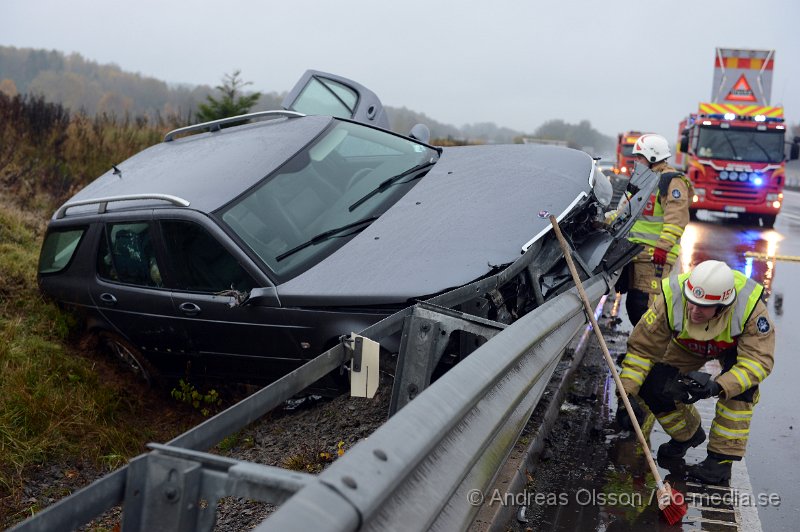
116	171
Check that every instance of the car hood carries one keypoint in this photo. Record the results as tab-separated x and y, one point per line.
472	212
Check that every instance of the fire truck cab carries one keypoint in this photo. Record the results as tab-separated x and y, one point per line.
736	163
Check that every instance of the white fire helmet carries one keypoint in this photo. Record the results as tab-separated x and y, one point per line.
710	283
655	148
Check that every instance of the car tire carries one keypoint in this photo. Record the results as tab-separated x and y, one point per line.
129	358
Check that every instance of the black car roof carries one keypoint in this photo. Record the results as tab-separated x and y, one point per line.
210	169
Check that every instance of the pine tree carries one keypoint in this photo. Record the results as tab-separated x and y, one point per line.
232	102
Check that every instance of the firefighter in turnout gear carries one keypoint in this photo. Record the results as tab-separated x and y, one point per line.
710	312
659	228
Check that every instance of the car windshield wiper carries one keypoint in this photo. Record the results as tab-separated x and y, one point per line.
330	233
392	181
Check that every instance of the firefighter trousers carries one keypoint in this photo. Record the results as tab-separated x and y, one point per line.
730	427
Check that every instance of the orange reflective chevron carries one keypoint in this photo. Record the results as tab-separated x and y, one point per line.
741	110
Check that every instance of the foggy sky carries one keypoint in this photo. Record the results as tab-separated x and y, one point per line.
619	64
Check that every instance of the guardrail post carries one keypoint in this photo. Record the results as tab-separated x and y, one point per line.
421	346
426	333
162	493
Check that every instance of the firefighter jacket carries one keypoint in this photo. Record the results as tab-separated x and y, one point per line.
665	334
665	216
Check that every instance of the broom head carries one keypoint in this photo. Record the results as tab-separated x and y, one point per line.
672	504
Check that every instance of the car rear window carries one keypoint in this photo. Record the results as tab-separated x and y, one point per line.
59	248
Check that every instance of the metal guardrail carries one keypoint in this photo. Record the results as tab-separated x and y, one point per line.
424	467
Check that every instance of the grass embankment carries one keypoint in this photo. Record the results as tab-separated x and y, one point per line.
56	405
60	405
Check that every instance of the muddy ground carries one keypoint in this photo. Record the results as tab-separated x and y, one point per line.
306	434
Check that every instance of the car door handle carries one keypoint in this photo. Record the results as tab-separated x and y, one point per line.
108	299
190	309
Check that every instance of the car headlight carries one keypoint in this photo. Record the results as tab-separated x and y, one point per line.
602	188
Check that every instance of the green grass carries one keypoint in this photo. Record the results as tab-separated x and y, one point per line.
56	402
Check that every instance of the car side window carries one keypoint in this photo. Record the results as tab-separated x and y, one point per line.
59	248
126	255
199	262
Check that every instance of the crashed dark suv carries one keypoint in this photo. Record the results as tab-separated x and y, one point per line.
243	251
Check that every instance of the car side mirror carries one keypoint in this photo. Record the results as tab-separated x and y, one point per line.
262	297
794	151
684	147
421	133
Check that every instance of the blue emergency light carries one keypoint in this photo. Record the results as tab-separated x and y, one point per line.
753	177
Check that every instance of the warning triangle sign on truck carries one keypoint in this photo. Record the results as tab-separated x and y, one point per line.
742	77
741	91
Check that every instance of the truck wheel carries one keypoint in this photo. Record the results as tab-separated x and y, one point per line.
768	220
693	215
129	358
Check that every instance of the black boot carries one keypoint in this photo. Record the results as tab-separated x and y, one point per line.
715	469
677	449
676	466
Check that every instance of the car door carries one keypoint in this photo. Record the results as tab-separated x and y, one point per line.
128	291
207	272
321	93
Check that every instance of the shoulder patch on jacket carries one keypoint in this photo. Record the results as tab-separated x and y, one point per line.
763	325
664	181
676	193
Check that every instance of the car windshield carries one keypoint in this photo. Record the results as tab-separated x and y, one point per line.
314	192
741	145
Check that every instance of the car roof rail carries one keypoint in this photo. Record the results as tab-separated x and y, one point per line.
102	203
216	125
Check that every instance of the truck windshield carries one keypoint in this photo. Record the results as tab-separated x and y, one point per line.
627	150
741	145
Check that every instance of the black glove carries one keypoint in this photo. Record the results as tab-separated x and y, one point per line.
623	419
699	385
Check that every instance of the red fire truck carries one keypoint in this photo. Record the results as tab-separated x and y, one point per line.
733	148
